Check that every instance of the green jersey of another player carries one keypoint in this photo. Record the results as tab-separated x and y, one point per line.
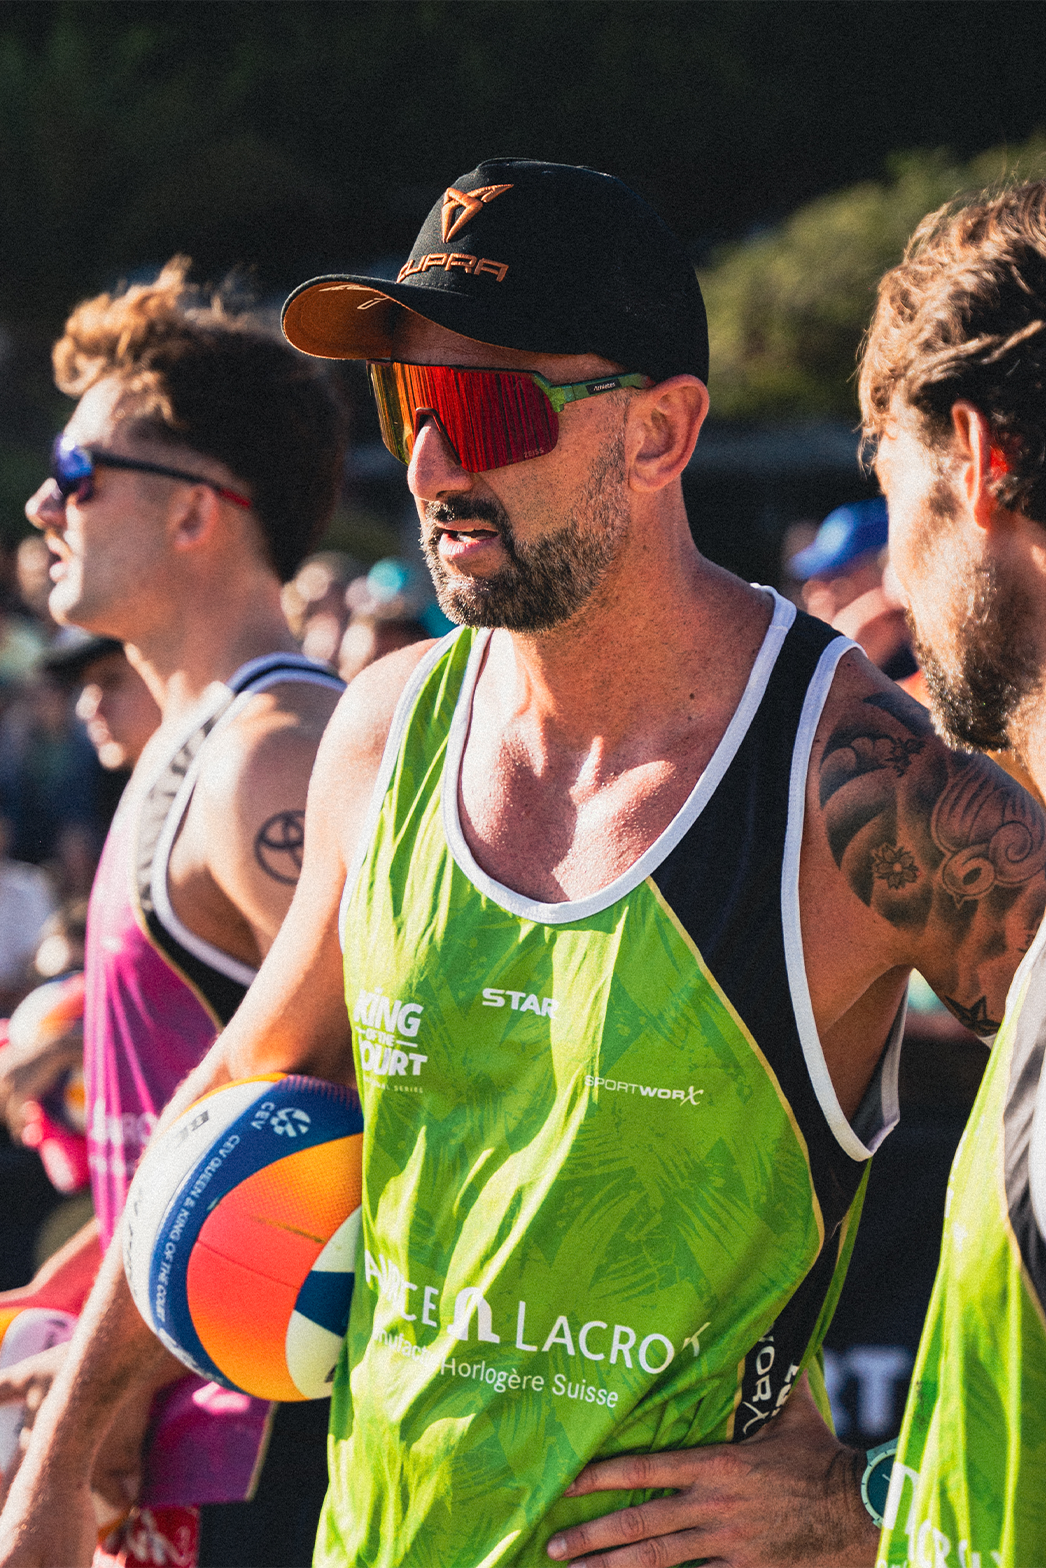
951	387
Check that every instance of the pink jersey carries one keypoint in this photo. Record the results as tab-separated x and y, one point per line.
133	998
156	997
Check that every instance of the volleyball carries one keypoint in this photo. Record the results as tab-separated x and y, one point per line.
241	1230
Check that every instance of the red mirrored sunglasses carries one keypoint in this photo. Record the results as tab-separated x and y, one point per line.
490	417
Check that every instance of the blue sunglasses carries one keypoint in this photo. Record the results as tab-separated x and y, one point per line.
72	469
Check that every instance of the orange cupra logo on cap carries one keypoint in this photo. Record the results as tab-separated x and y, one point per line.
469	202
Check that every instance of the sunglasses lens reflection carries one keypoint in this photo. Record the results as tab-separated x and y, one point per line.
490	417
71	467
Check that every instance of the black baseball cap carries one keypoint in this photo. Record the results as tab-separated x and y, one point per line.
70	656
543	257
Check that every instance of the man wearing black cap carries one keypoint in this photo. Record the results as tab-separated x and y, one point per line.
628	874
113	702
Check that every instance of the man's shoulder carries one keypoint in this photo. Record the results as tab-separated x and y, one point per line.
365	713
946	851
349	760
858	686
283	720
273	741
869	724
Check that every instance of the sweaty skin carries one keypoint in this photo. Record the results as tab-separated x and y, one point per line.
584	743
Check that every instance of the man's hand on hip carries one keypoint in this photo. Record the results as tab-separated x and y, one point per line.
789	1495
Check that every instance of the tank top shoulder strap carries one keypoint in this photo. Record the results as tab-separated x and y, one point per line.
421	725
219	979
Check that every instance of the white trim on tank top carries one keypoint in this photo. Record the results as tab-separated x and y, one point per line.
579	909
398	729
1037	1136
795	959
224	963
594	903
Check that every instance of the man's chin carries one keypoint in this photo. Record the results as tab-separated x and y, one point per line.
961	720
62	606
69	609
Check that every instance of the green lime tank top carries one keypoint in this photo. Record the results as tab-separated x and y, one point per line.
967	1485
609	1193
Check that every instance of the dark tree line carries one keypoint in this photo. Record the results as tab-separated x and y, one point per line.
289	137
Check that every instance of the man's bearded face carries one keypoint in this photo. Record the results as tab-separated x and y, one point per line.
549	577
977	650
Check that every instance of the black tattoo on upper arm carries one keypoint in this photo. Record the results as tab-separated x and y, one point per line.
278	846
935	842
895	865
975	1017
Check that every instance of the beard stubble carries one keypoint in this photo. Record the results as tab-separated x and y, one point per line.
978	707
546	581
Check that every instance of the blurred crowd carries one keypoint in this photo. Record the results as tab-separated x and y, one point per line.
74	718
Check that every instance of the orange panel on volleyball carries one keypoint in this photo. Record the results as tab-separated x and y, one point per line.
278	1220
241	1317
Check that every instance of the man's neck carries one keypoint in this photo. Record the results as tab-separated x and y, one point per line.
208	641
642	657
1028	735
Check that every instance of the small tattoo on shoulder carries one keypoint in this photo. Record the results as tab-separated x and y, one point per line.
975	1017
278	846
893	865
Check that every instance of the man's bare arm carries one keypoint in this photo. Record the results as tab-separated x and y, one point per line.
944	849
293	1020
239	854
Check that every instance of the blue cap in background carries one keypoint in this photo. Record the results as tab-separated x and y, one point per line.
848	532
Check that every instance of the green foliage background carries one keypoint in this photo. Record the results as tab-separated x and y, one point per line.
285	138
787	309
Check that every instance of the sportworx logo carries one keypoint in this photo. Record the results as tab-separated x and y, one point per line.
649	1091
466	204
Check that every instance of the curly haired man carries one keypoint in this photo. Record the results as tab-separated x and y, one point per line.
953	394
201	461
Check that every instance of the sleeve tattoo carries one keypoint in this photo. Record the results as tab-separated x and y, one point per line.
278	846
928	838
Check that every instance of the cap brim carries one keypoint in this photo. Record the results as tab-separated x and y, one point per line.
346	317
813	562
71	660
340	317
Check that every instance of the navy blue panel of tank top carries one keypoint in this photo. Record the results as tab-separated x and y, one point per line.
723	880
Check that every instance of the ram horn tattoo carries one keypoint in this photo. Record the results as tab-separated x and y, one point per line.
989	836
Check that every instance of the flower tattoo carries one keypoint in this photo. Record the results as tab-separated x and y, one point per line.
900	754
894	865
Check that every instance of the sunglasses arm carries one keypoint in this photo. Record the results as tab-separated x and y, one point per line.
575	391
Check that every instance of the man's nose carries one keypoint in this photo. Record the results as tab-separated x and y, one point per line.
46	508
434	468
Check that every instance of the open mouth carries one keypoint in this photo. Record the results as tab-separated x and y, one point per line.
59	556
475	532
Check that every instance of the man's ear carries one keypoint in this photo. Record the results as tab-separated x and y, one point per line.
197	518
664	422
979	461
